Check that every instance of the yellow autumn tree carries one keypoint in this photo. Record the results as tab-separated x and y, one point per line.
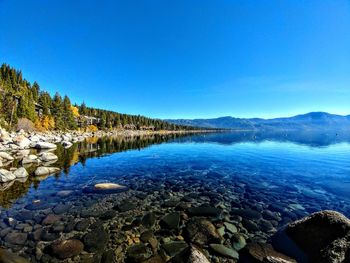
75	111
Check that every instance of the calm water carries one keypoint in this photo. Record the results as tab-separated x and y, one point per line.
288	175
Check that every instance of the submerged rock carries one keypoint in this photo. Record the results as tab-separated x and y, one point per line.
174	247
96	240
201	232
105	188
204	210
9	257
170	221
66	248
138	253
321	237
224	251
265	253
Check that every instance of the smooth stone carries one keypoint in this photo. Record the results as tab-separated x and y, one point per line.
201	231
209	211
148	220
105	188
6	176
48	156
20	173
6	156
174	247
47	236
138	253
96	240
50	219
265	253
247	213
108	215
66	248
224	251
9	257
125	206
146	235
170	221
61	208
43	170
16	238
238	241
21	141
45	145
230	227
82	225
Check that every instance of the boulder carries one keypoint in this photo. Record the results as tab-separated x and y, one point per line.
43	170
29	159
6	156
200	231
45	145
48	156
105	188
321	237
20	172
22	141
66	248
6	176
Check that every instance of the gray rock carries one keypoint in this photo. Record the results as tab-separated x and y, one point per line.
48	157
9	257
20	173
6	176
224	251
170	221
42	170
16	238
66	248
201	232
138	253
96	240
174	247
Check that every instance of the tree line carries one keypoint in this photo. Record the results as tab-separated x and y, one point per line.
23	103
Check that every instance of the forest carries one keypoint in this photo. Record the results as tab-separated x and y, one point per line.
25	105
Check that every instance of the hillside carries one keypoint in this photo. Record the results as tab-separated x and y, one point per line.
309	121
25	105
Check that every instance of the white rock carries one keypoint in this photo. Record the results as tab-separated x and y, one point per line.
1	163
34	138
21	141
6	176
43	170
67	144
45	145
29	159
48	156
20	172
6	156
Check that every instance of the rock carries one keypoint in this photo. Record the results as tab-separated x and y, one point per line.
66	248
201	232
29	159
230	227
204	211
50	219
191	254
174	247
9	257
108	256
261	252
105	188
21	141
108	215
148	220
82	225
146	235
154	259
45	145
125	206
224	251
67	144
6	176
238	241
16	238
170	221
6	156
48	157
43	170
21	173
247	213
138	253
61	208
96	240
323	237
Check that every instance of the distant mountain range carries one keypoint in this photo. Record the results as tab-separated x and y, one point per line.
309	121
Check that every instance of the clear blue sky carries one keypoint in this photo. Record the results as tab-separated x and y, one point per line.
183	58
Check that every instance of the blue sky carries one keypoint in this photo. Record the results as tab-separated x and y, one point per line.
184	58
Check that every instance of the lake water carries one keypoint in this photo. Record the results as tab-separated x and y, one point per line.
256	182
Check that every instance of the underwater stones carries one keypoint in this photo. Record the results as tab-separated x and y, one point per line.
105	188
45	145
148	220
20	173
50	219
201	231
6	176
125	206
138	253
43	170
96	239
16	238
82	225
174	247
146	236
264	253
61	208
238	241
66	248
247	213
108	215
224	251
323	236
170	221
9	257
230	227
204	210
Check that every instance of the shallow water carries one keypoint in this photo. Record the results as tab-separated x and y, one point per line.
288	175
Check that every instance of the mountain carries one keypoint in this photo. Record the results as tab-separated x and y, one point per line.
309	121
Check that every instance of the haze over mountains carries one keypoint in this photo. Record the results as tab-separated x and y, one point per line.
309	121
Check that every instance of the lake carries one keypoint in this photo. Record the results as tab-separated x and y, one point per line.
247	184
